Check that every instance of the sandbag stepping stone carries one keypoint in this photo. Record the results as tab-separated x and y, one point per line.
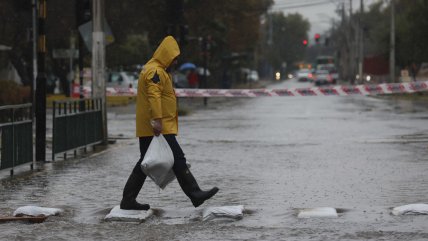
224	213
121	215
321	212
413	209
36	211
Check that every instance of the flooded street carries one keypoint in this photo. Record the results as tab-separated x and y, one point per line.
274	155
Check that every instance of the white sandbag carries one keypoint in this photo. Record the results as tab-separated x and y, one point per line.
416	208
117	214
36	211
228	212
158	161
322	212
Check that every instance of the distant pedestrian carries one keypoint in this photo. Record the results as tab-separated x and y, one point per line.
413	71
226	80
193	79
157	114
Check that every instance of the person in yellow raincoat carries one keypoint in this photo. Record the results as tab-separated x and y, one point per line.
156	113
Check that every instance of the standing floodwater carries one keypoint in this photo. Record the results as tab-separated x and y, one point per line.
274	155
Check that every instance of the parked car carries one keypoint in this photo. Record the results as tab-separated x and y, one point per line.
253	76
332	71
322	77
249	75
121	79
304	75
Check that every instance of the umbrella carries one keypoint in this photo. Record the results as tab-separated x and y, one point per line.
186	66
200	71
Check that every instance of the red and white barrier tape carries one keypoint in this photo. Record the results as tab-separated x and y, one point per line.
338	90
110	91
312	91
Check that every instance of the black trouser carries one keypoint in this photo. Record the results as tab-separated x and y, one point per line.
179	159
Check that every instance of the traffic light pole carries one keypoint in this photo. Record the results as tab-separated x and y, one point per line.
79	21
98	60
392	44
41	86
206	49
34	33
361	44
82	16
174	17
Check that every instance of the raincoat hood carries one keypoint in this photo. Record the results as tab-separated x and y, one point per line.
167	51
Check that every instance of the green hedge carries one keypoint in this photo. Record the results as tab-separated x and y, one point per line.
11	93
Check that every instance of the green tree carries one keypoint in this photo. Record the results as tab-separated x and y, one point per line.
288	32
412	32
138	26
235	29
15	26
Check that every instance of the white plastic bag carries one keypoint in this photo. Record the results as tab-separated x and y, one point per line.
158	162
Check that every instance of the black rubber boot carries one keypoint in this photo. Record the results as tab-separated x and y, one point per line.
191	188
132	188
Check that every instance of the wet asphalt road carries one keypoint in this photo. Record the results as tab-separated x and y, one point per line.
274	155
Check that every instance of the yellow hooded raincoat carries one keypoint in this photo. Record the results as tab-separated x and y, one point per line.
156	96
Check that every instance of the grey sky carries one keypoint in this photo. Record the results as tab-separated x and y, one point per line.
320	13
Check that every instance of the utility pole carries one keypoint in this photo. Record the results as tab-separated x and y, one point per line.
343	12
392	44
352	46
72	50
206	47
34	32
176	24
270	33
361	44
41	86
83	15
98	60
34	77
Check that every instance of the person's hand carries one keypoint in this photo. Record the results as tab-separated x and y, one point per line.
157	126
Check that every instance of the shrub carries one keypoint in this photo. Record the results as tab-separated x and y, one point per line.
11	93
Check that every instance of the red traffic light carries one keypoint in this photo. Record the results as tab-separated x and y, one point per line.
317	37
305	42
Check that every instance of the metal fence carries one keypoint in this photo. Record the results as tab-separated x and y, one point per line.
76	124
16	136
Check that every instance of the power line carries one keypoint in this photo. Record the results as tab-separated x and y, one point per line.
302	2
301	5
292	2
